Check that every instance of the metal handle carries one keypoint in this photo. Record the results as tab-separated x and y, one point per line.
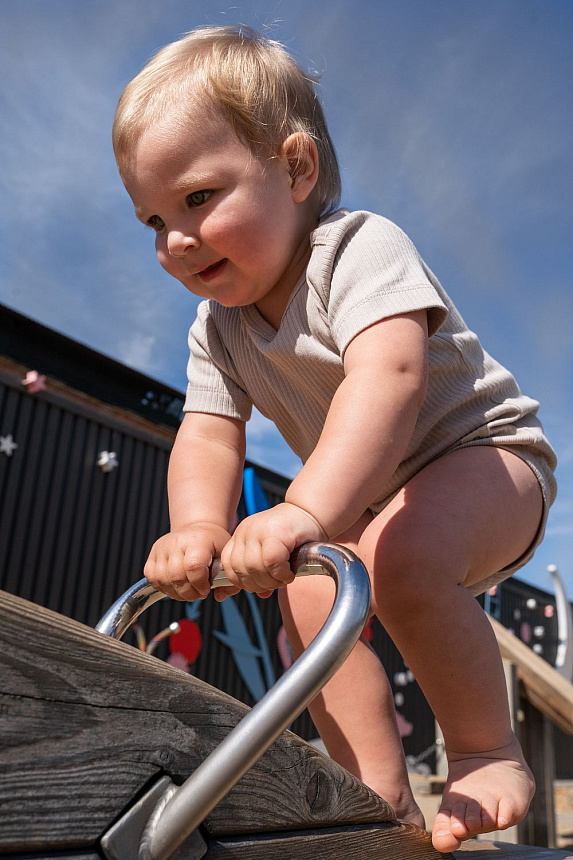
140	596
245	744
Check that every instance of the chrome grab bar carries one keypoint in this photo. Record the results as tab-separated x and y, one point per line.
187	806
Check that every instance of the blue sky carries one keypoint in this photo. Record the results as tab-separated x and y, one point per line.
450	117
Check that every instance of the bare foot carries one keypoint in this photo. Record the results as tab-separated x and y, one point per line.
412	814
484	792
402	802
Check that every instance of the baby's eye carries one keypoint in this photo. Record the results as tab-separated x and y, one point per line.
197	198
155	223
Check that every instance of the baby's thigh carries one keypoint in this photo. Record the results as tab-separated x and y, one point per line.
461	519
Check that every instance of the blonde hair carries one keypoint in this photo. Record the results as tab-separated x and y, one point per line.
251	80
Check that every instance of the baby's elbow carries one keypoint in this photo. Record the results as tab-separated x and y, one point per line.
421	388
412	379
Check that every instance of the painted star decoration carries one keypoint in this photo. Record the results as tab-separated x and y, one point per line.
107	461
7	445
34	382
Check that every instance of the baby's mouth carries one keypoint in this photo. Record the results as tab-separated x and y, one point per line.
212	271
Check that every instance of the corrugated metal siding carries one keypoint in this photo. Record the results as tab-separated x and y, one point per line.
74	537
529	613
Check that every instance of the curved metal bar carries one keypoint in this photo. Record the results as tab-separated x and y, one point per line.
564	657
246	743
139	597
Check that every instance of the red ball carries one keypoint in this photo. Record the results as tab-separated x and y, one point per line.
187	642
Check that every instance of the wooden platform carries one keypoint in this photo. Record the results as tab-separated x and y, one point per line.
483	850
88	724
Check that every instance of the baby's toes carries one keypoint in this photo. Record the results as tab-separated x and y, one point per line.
467	818
489	814
443	838
506	815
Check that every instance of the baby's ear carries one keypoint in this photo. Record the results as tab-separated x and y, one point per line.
301	156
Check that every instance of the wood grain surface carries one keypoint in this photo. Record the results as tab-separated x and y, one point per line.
87	723
484	850
371	842
67	855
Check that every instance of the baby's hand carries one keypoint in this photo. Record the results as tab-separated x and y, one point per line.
178	564
257	556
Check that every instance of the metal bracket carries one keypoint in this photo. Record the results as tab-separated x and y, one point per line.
125	840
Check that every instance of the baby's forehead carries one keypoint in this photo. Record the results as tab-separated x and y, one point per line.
197	124
181	152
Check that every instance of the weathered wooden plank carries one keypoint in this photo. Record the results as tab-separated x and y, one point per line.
87	722
67	855
391	841
484	850
545	688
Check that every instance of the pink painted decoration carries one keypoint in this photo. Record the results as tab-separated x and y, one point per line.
404	727
34	382
179	661
284	648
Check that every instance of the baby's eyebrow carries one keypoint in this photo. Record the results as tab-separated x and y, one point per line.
195	181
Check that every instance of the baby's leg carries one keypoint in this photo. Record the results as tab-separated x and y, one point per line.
354	713
462	518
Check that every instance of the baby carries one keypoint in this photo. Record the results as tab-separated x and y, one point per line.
420	453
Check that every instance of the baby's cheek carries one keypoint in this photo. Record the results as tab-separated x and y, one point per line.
171	266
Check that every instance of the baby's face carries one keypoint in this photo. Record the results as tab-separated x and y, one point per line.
227	224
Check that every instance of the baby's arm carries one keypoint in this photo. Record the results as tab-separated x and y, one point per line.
204	487
367	430
369	424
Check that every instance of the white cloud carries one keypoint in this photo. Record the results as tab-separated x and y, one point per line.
266	447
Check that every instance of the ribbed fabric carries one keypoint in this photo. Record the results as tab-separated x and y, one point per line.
362	269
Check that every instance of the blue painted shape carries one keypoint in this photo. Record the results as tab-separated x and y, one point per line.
193	610
236	636
492	604
245	654
236	645
263	644
255	499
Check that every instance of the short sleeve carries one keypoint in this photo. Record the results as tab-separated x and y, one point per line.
212	386
376	272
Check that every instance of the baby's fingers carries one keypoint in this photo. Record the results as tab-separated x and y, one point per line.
192	582
155	572
244	566
276	560
180	572
225	591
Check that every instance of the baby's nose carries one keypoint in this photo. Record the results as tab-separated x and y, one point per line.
178	243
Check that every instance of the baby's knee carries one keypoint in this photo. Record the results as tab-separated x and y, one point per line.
305	605
409	573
